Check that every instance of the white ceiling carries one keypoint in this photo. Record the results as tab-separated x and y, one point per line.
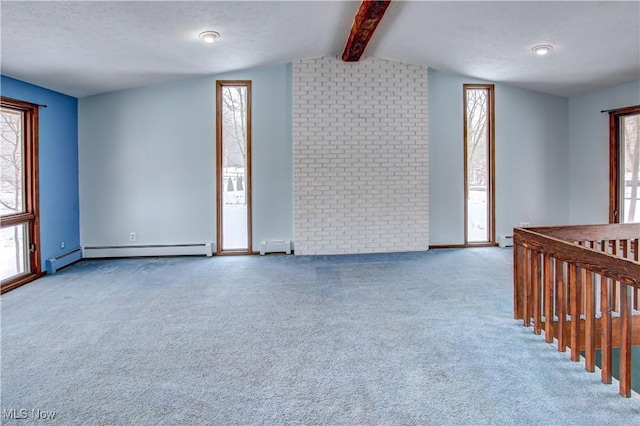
91	47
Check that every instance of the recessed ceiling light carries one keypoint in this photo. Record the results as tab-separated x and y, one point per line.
542	49
209	36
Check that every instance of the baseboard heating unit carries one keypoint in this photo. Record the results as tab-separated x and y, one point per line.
505	241
200	249
275	247
60	261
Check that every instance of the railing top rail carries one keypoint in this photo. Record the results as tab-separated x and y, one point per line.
625	271
615	231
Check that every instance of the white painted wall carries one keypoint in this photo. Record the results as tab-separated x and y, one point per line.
531	158
147	161
589	150
360	156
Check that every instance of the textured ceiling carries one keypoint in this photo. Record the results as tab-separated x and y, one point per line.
85	48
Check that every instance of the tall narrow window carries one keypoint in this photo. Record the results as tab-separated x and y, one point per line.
19	234
233	150
479	164
624	165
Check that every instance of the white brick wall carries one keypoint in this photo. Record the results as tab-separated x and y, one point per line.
360	156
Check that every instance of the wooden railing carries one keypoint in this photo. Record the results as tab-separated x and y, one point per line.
581	286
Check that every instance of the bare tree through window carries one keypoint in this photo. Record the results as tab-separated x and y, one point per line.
11	157
12	190
477	136
235	125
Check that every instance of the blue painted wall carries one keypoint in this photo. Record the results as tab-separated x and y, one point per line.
148	161
58	152
589	150
531	154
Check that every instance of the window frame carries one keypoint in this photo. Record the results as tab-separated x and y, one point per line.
219	171
614	158
491	218
31	212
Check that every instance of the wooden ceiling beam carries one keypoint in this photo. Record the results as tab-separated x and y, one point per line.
364	24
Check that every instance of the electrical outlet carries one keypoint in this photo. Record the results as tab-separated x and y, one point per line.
132	236
61	244
524	224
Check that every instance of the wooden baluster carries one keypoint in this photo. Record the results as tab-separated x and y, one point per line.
535	282
567	290
625	341
583	293
548	299
614	289
574	285
624	253
629	244
527	288
605	321
636	257
543	290
627	253
518	265
556	284
590	323
543	300
562	344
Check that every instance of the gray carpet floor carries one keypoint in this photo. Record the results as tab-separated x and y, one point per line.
392	339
